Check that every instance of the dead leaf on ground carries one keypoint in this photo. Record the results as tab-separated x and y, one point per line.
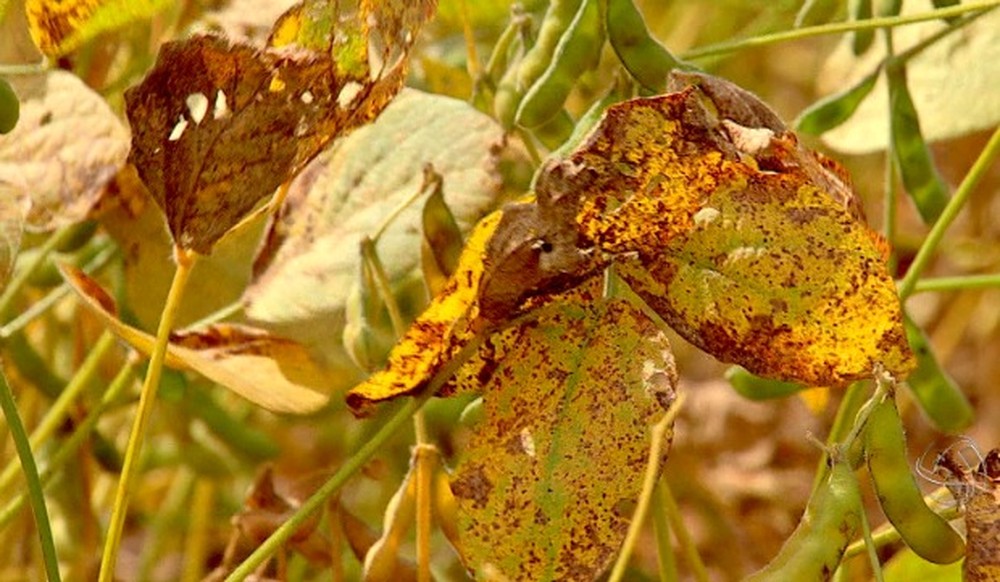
273	372
67	146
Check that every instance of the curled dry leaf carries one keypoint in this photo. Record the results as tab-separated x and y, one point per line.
556	465
506	268
273	372
219	126
66	147
310	260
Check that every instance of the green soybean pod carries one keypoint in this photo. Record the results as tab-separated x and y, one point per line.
579	50
10	108
925	532
939	397
861	40
557	20
754	387
644	58
833	110
831	521
923	183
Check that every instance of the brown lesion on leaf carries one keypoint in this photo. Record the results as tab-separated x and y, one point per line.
474	485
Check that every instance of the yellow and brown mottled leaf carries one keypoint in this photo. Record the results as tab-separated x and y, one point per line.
270	371
513	261
752	247
556	465
218	126
59	27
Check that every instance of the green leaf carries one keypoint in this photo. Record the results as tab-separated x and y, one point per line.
556	465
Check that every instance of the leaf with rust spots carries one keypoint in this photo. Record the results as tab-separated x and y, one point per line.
751	246
218	126
513	262
273	372
61	27
564	442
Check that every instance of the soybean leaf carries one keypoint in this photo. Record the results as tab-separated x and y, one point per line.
299	285
61	27
219	126
67	146
948	107
273	372
514	261
556	464
923	183
769	265
835	109
939	397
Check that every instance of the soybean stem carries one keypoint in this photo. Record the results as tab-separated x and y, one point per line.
836	28
147	396
658	436
34	485
948	215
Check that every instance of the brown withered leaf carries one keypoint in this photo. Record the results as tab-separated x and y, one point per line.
218	126
273	372
67	145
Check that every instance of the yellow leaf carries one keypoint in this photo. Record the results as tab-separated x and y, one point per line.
750	246
273	372
61	27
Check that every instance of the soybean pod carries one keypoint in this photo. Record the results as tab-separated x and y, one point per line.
578	51
525	69
645	59
831	521
925	532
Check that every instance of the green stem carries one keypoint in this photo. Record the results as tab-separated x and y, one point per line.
351	466
948	215
658	436
70	445
44	304
147	396
21	276
866	532
836	28
688	548
57	413
665	560
959	283
30	469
